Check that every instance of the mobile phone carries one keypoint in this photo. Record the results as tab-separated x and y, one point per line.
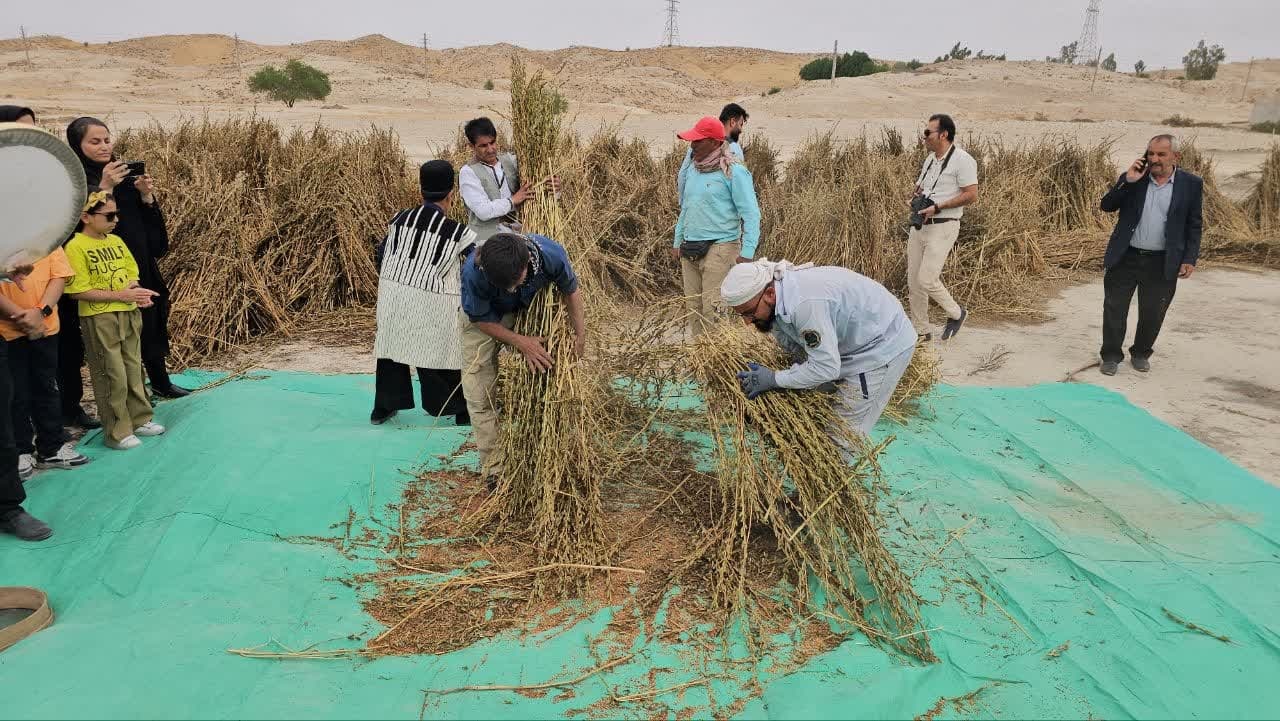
137	168
1142	163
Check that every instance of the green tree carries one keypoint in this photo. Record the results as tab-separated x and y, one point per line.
850	65
297	81
1140	69
1109	63
1202	62
957	52
1067	53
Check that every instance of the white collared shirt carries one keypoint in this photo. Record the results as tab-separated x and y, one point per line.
477	200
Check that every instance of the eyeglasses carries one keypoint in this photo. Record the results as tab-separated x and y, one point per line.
111	217
928	132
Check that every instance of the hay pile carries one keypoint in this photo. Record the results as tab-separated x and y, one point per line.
1263	204
267	231
549	491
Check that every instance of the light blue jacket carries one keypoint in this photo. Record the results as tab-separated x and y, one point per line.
720	209
688	161
843	322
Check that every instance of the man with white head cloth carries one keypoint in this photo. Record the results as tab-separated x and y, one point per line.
842	328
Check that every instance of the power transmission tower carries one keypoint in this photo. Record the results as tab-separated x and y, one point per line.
671	35
1089	46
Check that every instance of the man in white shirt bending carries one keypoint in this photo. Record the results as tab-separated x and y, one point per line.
490	183
949	178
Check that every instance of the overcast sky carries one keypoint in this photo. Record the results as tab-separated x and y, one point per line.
1157	31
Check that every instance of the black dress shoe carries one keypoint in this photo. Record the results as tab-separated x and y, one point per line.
171	391
83	420
378	417
25	526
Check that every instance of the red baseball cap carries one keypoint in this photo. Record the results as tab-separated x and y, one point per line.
708	128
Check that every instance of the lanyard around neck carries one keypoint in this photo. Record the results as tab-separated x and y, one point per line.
941	170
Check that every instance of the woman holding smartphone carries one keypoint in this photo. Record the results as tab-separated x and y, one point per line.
141	226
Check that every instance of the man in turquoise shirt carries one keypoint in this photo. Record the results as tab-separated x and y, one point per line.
734	118
719	221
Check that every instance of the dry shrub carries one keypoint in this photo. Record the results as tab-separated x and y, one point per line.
1229	233
266	230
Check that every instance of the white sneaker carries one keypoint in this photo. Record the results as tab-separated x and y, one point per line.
66	457
26	466
125	443
150	428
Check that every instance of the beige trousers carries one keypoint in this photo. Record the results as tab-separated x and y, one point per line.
927	251
480	386
702	279
113	349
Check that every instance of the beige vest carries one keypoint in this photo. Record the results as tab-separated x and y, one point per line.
485	229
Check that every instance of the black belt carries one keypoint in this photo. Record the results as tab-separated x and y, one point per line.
1144	251
931	221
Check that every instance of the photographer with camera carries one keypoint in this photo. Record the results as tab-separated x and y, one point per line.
948	181
141	225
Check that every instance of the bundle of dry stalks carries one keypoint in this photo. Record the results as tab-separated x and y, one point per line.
787	463
551	437
1229	233
267	231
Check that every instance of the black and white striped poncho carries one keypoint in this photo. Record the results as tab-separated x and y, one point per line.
419	291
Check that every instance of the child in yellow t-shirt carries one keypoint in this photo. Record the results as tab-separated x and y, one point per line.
106	286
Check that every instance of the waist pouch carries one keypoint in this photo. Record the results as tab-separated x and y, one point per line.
695	249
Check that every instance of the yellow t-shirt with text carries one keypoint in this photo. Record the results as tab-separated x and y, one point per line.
100	264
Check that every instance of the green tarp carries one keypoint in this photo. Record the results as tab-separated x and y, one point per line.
1056	527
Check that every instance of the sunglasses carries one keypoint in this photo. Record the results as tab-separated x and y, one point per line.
111	217
928	132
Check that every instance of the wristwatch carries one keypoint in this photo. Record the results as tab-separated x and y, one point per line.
46	311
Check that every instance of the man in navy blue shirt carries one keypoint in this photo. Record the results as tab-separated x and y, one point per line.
500	279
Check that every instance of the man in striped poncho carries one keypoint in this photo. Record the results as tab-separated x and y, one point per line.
418	301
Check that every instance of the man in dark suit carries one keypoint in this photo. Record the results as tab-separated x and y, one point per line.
1156	241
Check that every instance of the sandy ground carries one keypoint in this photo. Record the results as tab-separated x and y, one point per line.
1212	375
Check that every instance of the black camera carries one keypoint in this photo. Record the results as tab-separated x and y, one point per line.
919	203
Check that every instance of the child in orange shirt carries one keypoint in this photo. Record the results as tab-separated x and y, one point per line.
29	325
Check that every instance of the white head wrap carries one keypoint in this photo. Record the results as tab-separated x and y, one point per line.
745	280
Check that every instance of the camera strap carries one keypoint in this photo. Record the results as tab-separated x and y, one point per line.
941	170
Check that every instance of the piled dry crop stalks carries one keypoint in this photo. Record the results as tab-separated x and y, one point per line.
845	203
786	462
1263	204
553	439
1230	233
266	231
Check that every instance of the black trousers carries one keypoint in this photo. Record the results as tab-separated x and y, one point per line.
1143	272
11	493
33	367
441	390
70	357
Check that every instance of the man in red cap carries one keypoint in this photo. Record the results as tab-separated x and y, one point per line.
719	221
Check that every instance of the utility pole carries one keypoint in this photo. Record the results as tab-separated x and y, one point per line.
426	68
1097	63
26	45
235	53
1247	76
835	53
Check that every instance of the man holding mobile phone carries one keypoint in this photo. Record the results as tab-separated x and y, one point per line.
1156	241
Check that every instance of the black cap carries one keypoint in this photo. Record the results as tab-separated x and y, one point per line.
435	177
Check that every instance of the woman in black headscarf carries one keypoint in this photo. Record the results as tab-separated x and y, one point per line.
141	226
